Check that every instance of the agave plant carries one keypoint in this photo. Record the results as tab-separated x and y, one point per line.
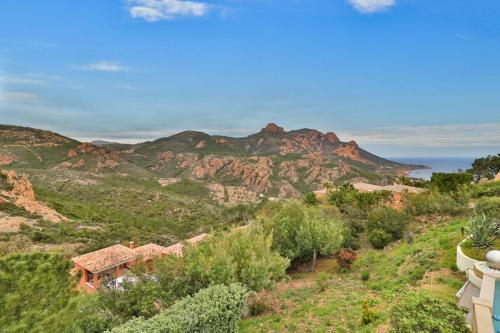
482	230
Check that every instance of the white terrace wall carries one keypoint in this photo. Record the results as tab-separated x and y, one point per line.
464	263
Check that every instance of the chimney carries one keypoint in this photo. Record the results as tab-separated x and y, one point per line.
131	245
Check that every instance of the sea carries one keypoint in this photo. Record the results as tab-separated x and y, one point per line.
436	164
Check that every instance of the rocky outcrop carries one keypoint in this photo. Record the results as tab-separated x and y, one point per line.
22	195
200	144
254	173
33	138
272	128
209	166
186	160
314	167
288	191
231	195
6	159
350	150
168	181
105	159
165	156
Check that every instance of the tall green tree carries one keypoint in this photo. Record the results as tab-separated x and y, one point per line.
302	233
36	293
486	167
241	256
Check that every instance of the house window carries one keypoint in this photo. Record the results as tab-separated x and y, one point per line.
90	278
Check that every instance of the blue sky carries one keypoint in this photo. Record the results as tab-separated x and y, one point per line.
401	77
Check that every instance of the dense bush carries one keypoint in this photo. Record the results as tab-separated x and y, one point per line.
345	258
489	206
389	220
216	309
352	202
433	203
35	293
450	182
242	256
489	189
419	312
379	238
301	233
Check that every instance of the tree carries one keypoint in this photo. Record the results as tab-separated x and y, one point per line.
389	220
240	256
36	293
486	167
301	233
216	309
450	182
420	312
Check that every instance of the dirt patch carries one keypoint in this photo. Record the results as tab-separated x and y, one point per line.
13	223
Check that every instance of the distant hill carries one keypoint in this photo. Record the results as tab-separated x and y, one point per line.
271	163
30	148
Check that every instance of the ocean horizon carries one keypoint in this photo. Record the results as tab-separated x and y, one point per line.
435	164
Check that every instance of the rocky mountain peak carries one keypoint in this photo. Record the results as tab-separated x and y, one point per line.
272	128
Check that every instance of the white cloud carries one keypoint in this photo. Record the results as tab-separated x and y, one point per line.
371	6
19	96
445	136
156	10
103	66
21	80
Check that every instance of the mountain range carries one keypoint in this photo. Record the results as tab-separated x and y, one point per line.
271	163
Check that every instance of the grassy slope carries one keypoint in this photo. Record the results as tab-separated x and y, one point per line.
118	209
425	264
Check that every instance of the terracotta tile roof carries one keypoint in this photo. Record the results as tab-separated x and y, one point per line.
151	250
178	247
106	258
175	249
197	239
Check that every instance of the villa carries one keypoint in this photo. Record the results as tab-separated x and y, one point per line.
110	265
480	294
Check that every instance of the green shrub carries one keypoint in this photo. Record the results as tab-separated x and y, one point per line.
36	293
433	203
301	233
379	238
310	199
365	275
368	314
489	206
489	189
420	312
242	256
450	182
354	203
322	281
389	220
482	230
216	309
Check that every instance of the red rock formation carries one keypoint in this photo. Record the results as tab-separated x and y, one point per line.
22	195
350	150
272	128
6	159
200	144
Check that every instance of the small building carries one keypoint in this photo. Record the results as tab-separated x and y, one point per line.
103	265
111	263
